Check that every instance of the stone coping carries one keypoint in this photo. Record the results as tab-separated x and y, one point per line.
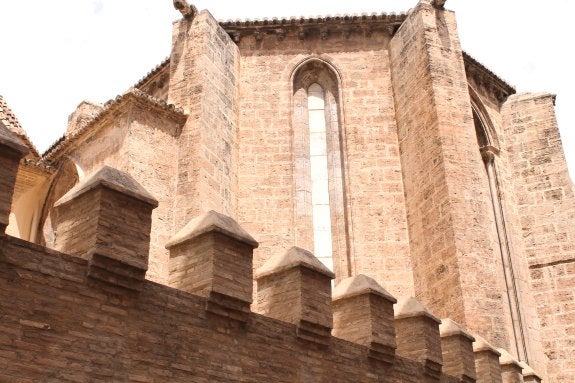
449	327
294	257
112	179
209	222
360	285
506	359
409	307
132	97
481	344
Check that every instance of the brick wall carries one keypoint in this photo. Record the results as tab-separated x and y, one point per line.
60	326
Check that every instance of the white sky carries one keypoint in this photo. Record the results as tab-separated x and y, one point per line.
57	53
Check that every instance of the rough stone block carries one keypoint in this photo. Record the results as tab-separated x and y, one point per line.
107	219
418	336
457	351
295	287
529	375
363	314
212	256
11	151
487	367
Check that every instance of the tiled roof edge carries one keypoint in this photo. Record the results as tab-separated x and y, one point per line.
65	141
12	121
298	20
485	73
153	72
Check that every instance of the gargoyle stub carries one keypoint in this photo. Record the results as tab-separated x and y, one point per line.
187	10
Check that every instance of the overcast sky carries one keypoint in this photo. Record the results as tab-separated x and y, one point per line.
57	53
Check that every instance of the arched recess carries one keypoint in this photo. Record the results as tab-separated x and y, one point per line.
67	176
488	144
484	128
323	80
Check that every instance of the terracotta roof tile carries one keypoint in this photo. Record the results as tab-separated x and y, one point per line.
8	118
153	72
293	20
64	142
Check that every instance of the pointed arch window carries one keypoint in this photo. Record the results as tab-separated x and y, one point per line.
322	236
320	208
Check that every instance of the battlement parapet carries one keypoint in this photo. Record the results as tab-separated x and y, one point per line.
511	369
457	351
295	287
107	219
418	336
212	256
363	314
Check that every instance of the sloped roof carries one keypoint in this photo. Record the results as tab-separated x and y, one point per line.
8	118
109	107
158	68
301	20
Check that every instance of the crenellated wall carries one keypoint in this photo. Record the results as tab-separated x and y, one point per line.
94	318
441	184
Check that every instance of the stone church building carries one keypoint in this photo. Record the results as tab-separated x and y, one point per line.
181	208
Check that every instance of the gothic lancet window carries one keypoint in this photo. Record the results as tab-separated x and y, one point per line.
489	151
322	237
319	212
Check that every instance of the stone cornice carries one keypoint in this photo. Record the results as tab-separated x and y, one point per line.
131	97
321	26
485	78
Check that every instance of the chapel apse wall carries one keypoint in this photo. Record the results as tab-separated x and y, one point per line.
375	226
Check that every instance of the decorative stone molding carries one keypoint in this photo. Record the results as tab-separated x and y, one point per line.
486	79
315	27
488	153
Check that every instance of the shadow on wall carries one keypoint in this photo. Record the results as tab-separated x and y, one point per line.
64	180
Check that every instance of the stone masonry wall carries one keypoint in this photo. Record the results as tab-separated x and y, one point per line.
453	244
141	143
546	205
60	326
491	108
506	178
204	77
375	205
